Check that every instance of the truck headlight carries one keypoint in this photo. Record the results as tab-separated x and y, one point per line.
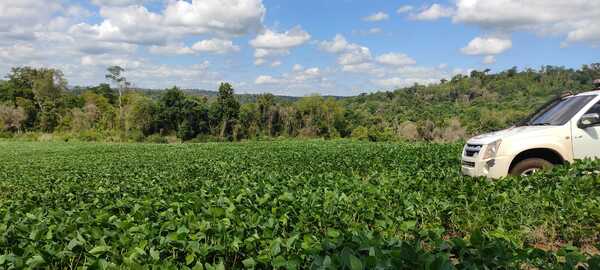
491	149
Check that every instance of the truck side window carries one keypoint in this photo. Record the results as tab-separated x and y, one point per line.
594	109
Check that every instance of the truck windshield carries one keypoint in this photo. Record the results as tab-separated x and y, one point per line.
559	112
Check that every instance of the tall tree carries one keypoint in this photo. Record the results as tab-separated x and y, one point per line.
115	74
229	108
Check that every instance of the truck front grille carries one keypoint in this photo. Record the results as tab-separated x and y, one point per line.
468	163
472	149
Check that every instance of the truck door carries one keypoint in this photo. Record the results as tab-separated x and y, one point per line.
586	142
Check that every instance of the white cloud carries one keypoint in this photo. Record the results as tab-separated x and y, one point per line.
110	60
355	56
489	60
364	68
376	17
136	24
375	30
337	45
28	12
266	79
434	12
348	53
305	75
276	63
370	31
577	20
227	17
299	75
273	40
404	9
270	43
297	67
215	45
171	49
261	55
487	46
395	59
132	24
19	51
259	61
116	2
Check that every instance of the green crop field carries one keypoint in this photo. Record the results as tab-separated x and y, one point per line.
286	205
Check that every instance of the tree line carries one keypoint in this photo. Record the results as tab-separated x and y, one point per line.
36	103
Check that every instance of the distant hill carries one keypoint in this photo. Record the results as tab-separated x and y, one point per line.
243	98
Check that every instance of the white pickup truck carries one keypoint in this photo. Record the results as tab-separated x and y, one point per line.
565	129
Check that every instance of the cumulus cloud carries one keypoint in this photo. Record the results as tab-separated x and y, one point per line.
266	79
348	53
356	55
215	45
273	40
270	43
299	75
359	59
110	60
489	60
395	59
370	31
171	49
337	45
297	67
578	20
116	2
228	17
434	12
136	24
131	24
404	9
28	12
487	46
376	17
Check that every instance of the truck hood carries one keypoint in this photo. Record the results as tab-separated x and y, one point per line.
513	133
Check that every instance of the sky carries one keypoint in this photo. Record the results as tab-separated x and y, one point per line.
291	47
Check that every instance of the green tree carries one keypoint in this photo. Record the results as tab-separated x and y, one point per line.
115	75
229	109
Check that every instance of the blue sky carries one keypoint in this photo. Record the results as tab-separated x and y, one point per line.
339	47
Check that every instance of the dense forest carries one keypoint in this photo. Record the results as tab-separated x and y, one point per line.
37	104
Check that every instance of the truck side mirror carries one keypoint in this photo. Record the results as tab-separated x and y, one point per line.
589	120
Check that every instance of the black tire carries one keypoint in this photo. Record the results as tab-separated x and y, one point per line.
530	164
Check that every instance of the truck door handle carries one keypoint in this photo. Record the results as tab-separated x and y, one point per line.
578	137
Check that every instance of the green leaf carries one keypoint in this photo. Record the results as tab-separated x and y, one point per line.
333	233
408	225
73	244
275	247
189	259
35	261
99	250
279	262
249	263
154	254
355	263
198	266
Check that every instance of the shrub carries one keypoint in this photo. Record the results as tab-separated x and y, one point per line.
360	133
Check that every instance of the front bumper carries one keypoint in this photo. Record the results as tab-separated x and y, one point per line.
492	168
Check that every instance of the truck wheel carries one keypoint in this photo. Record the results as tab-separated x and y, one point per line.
530	166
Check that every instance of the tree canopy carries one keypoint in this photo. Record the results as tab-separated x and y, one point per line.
38	100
